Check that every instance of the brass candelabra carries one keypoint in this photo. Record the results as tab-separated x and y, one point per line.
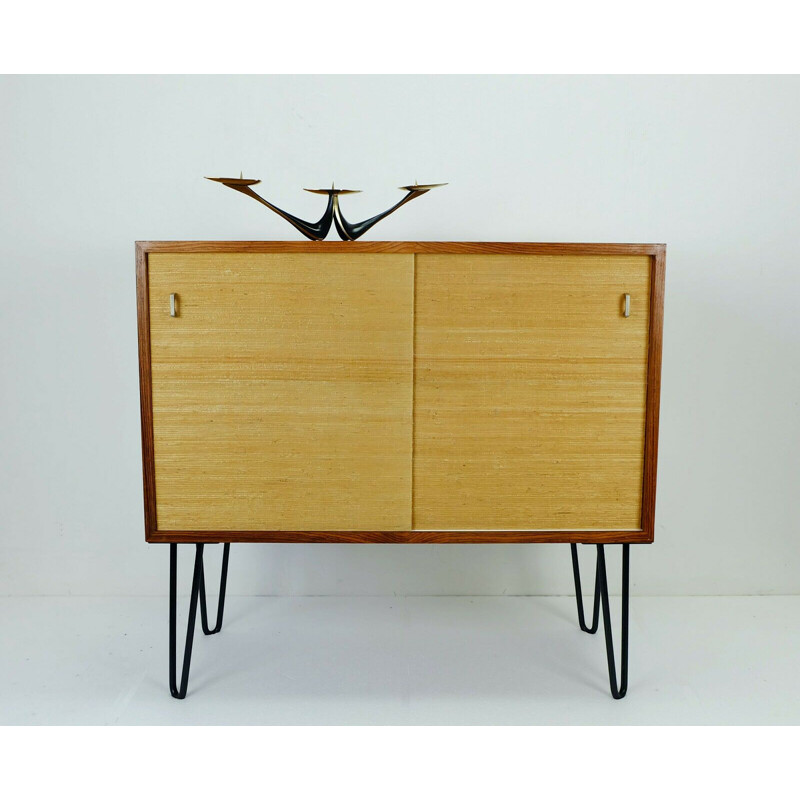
317	231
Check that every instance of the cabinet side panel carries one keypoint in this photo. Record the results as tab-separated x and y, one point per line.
653	392
145	395
530	389
282	391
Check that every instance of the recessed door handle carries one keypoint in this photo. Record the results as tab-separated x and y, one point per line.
173	305
626	312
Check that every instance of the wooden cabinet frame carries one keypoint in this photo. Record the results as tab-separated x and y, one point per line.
657	255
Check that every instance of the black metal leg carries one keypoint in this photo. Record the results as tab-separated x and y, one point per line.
223	582
618	689
576	573
198	592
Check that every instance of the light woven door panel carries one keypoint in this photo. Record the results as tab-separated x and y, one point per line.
529	392
282	391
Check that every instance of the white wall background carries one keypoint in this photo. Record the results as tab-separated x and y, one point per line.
709	165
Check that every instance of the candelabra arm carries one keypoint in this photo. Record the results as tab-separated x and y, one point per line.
350	231
316	231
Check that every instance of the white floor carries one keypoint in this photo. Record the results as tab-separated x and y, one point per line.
405	660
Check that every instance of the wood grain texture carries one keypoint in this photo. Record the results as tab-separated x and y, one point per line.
379	533
530	390
653	391
281	394
409	248
145	390
403	537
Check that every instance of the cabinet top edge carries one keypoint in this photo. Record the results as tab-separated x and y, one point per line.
499	248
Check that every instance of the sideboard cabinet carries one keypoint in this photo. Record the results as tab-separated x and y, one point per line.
399	392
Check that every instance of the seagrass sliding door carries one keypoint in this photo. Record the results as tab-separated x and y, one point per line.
399	391
281	392
530	392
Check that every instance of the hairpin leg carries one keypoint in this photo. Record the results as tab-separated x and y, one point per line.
576	574
618	690
198	592
223	582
